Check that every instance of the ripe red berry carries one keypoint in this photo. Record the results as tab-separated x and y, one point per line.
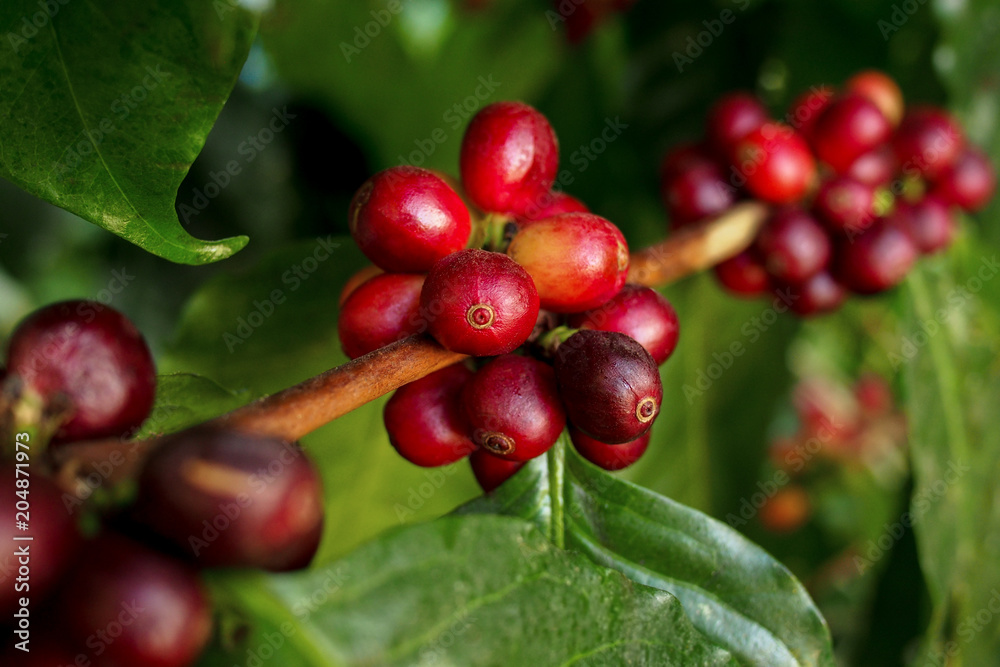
509	158
514	407
793	246
381	311
876	167
817	295
492	471
969	182
639	312
91	355
232	499
577	260
405	218
700	192
807	108
479	302
731	118
610	385
609	457
850	127
426	419
927	141
554	204
845	204
744	274
875	260
881	90
929	223
359	278
776	163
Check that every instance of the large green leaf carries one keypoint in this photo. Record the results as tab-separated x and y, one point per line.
732	591
471	591
104	106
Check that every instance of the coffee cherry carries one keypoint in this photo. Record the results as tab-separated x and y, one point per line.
233	499
156	604
639	312
875	260
357	280
91	355
969	182
577	260
509	158
610	385
928	141
929	223
845	204
744	274
492	471
514	407
776	163
817	295
700	192
807	108
682	158
405	218
881	90
787	510
793	246
426	419
479	302
609	457
381	311
850	127
876	167
732	117
554	204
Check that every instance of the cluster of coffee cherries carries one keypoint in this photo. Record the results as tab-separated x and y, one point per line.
861	187
129	592
557	335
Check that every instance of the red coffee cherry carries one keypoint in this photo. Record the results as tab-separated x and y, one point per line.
698	193
875	260
639	312
928	141
232	499
845	204
359	278
479	302
850	127
776	163
881	90
730	119
787	510
744	274
514	407
609	457
405	218
492	471
817	295
969	182
577	260
876	167
92	356
554	204
929	223
381	311
509	158
807	108
426	419
793	246
610	385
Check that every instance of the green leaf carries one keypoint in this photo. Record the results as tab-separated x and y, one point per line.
733	592
470	591
104	106
185	399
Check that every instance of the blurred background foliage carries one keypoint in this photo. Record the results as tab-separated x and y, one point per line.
354	112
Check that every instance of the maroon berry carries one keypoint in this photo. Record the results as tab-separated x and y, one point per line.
875	260
845	204
732	117
793	246
492	471
817	295
969	182
509	158
514	407
609	457
233	499
927	142
807	108
381	311
881	90
744	274
929	223
700	192
577	260
405	218
426	419
479	302
359	278
850	127
681	158
640	313
876	167
94	357
610	385
554	204
776	163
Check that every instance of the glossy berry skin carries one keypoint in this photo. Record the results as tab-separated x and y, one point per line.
700	192
359	278
155	604
514	408
93	356
881	90
817	295
609	457
793	246
845	204
776	164
639	312
876	259
876	167
969	182
807	108
732	117
609	384
479	303
929	223
405	218
509	158
577	260
554	204
426	419
231	499
850	127
744	274
492	471
381	311
927	142
55	540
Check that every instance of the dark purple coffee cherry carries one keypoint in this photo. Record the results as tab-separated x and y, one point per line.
491	471
609	457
